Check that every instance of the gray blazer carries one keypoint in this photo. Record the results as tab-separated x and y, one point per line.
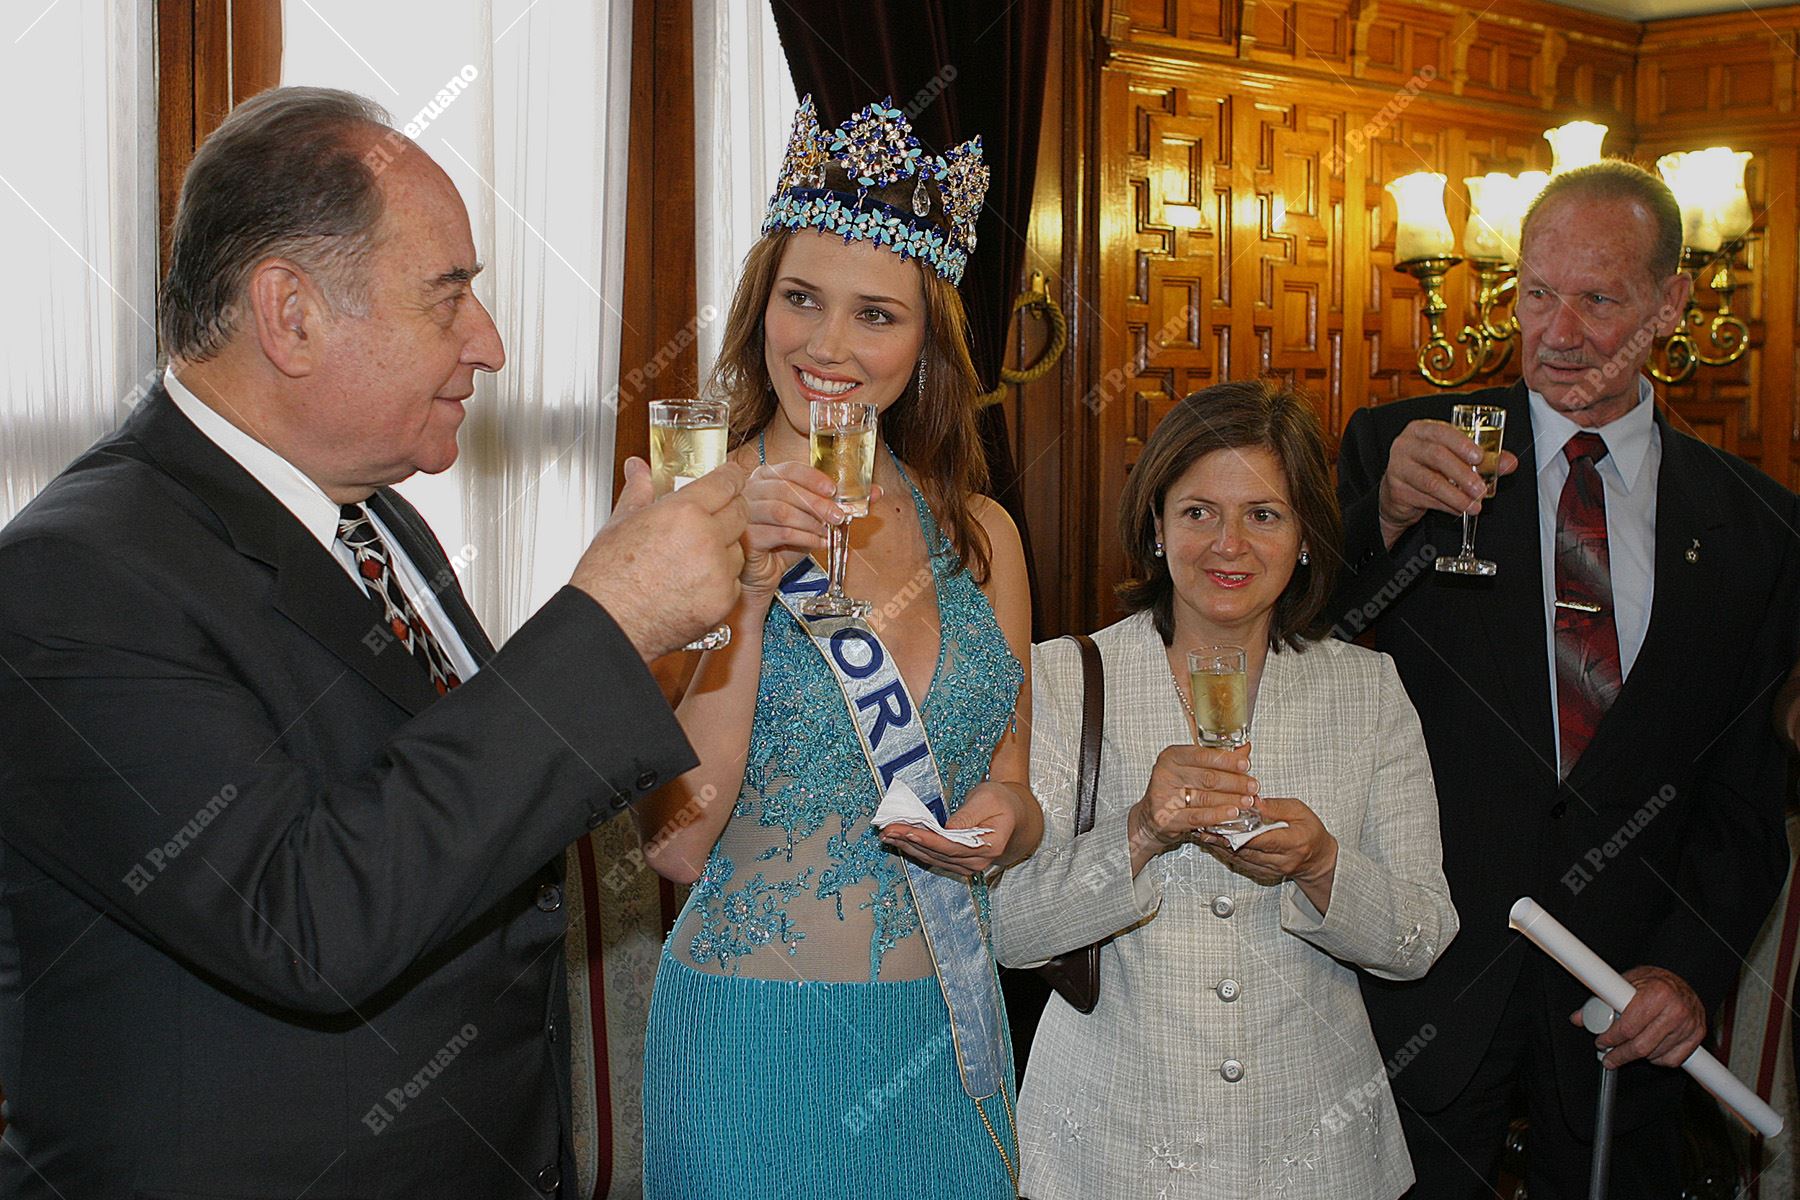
1230	1055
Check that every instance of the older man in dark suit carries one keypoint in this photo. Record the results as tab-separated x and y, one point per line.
1597	712
280	830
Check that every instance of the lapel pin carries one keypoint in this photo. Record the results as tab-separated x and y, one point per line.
1693	552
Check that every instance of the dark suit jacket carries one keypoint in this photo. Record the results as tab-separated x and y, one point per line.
1665	845
274	918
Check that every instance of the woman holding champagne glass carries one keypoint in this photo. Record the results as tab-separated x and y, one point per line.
826	1018
1229	1054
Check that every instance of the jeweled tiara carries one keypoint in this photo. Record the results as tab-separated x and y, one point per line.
876	148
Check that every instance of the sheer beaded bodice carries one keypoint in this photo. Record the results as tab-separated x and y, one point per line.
799	885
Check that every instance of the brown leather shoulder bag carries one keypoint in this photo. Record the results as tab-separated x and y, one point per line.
1076	975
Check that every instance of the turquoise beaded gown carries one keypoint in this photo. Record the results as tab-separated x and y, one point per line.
799	1045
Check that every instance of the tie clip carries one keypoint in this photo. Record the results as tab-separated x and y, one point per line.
1579	606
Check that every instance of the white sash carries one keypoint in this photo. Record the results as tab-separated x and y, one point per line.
893	739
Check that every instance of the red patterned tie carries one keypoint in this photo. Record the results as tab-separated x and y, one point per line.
375	564
1587	643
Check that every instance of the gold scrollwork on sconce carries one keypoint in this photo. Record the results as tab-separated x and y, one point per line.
1486	345
1726	333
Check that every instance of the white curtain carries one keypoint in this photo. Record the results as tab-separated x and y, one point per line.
78	211
525	103
743	108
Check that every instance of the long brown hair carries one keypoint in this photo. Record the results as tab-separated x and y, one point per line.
934	435
1229	416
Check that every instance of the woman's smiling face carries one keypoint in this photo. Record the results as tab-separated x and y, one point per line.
1232	538
844	321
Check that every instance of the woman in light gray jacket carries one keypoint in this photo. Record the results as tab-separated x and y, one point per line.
1230	1054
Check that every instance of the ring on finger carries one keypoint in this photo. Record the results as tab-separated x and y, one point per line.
1187	797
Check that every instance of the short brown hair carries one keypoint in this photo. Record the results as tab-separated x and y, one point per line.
282	177
1266	414
1617	179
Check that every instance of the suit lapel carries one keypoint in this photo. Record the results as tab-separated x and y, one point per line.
1687	516
1514	622
312	588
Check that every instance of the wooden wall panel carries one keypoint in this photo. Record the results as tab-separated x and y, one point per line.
661	274
1718	74
1731	80
1595	81
1315	32
1237	226
210	54
1504	62
660	271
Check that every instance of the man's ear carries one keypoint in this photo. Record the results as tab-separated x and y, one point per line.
288	314
1674	297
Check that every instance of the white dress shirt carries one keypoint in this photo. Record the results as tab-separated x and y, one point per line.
318	513
1628	475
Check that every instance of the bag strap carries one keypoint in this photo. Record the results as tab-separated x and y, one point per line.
1093	712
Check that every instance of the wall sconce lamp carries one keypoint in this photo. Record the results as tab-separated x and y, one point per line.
1715	225
1424	247
1708	184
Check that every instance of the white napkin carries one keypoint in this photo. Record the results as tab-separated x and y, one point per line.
1238	840
902	805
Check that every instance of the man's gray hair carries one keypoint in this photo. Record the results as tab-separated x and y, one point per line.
281	177
1617	179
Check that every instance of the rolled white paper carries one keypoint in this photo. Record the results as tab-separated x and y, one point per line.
1554	939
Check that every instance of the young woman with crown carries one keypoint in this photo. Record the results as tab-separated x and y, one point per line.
827	1018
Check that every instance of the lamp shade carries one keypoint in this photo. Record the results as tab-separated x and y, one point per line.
1530	183
1496	209
1709	186
1576	144
1423	228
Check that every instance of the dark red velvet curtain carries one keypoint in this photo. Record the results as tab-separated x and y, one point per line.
958	68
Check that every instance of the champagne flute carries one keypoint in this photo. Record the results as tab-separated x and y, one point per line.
1485	425
687	439
1219	682
843	446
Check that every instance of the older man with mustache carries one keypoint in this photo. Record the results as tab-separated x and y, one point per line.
1597	712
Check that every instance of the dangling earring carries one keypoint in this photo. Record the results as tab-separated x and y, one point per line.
1304	556
921	376
1159	552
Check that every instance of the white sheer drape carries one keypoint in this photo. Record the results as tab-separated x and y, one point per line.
78	211
526	106
743	108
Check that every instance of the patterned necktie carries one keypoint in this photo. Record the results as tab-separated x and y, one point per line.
375	564
1587	643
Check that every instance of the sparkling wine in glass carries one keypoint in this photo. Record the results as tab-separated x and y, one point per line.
1220	685
843	446
1485	425
687	439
